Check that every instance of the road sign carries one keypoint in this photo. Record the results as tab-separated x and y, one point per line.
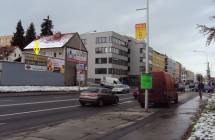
37	49
141	31
146	81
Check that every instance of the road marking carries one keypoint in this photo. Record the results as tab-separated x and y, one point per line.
126	102
6	100
123	94
124	125
36	111
2	124
126	98
50	109
43	102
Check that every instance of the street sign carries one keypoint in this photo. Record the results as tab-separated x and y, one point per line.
146	81
140	31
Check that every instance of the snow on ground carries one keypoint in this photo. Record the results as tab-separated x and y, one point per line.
38	88
204	129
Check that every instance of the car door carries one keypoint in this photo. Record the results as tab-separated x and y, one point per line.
104	95
111	96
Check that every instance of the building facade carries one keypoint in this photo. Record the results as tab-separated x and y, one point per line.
158	61
11	53
170	66
66	50
5	40
107	55
178	72
137	57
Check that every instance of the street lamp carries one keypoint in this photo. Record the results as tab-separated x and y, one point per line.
147	52
79	62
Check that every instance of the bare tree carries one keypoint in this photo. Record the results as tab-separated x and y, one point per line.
208	31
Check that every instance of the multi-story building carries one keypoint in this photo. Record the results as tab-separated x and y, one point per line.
170	66
5	40
190	76
107	55
137	57
158	61
187	76
178	71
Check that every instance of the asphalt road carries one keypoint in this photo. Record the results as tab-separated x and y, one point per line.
18	114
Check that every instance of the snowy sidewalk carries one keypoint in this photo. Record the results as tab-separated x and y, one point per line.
204	129
39	88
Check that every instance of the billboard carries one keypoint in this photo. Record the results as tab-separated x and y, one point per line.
76	56
35	62
140	31
56	65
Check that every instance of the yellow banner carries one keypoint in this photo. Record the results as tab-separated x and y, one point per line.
141	31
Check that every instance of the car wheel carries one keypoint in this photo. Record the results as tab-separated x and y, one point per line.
100	103
82	103
176	100
116	101
142	105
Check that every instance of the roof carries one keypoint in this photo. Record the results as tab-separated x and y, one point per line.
6	50
57	40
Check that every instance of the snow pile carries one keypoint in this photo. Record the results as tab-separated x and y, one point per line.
204	129
39	88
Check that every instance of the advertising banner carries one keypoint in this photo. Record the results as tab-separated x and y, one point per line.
35	62
56	65
140	31
76	56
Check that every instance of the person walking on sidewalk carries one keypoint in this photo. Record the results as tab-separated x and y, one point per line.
200	88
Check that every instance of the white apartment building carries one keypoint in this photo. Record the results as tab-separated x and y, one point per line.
137	57
107	55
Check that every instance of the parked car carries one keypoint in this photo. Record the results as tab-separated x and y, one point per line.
181	87
163	90
208	89
121	89
98	96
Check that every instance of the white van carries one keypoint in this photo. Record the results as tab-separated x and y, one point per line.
110	82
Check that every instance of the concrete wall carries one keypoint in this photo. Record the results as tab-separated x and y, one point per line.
14	74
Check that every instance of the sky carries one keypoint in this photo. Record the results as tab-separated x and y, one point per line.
173	23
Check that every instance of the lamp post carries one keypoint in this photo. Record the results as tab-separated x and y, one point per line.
147	52
79	62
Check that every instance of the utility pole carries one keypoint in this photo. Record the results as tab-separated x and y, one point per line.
147	53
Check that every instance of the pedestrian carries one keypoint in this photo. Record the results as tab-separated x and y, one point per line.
200	88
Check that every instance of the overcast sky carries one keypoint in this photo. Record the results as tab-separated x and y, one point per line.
173	23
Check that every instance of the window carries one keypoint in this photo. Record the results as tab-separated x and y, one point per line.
84	41
60	53
55	55
101	60
141	50
101	40
100	71
110	71
15	55
141	59
118	41
111	50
